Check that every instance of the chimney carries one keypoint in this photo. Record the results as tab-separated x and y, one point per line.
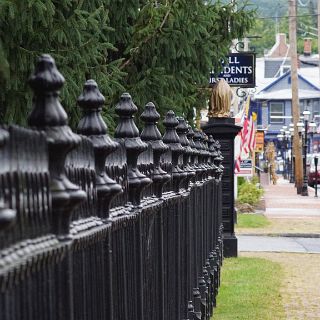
280	48
281	38
307	47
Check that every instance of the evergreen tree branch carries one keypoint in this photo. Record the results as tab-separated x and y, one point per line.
149	38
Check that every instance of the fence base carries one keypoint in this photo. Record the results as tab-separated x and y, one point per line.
230	246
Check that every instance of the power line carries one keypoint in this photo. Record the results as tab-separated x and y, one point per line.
282	17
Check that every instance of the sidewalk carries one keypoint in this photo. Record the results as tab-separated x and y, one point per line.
282	200
291	215
284	204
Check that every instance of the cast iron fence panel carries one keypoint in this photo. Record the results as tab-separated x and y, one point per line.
98	228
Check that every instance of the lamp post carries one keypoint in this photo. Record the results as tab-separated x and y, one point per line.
312	130
287	147
316	168
304	191
291	130
284	153
300	129
284	141
280	137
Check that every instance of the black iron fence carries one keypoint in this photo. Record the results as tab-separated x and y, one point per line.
98	228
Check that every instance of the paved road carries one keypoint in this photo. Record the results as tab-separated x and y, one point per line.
278	244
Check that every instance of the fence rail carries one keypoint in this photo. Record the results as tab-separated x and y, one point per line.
94	227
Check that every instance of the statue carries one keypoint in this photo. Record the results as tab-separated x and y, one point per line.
271	156
220	100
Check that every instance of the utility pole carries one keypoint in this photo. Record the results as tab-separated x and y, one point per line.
295	109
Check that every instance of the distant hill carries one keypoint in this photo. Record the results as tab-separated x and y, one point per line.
266	8
267	24
269	8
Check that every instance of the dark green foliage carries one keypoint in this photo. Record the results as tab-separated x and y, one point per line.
157	50
241	181
75	33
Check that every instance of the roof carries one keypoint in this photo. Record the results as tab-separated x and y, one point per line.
309	76
286	94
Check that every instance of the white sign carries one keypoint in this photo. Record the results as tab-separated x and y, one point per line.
245	168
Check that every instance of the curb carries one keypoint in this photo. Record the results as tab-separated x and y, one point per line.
289	235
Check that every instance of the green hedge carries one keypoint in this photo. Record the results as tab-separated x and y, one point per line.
248	192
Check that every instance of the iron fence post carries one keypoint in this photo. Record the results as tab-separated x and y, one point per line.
48	115
92	125
7	215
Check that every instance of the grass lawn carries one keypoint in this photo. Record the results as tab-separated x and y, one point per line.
252	221
250	290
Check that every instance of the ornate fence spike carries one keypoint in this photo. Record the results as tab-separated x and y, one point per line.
205	152
195	152
208	275
92	125
151	134
214	273
171	138
213	154
219	159
219	244
182	130
197	303
190	313
201	168
48	115
129	133
7	215
207	292
202	289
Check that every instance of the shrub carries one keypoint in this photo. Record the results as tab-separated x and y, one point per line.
241	181
248	192
255	180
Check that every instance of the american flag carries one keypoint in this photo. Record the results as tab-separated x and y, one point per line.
246	140
241	119
252	137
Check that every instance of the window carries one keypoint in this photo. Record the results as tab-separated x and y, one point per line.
316	109
276	112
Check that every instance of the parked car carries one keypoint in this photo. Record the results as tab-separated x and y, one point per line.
313	177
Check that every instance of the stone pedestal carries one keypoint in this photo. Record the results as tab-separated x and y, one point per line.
225	130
